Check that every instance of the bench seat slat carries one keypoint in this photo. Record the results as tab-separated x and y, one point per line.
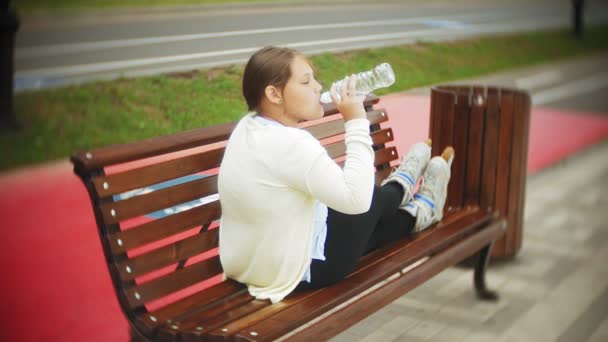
405	251
366	261
366	305
168	255
201	300
298	314
230	328
173	282
230	310
164	227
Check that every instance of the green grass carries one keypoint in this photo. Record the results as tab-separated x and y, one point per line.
57	122
32	6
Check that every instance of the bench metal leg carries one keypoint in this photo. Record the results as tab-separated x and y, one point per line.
136	336
483	257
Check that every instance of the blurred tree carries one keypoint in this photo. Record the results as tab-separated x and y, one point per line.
9	24
577	13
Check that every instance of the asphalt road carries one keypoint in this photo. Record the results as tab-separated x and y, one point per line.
76	48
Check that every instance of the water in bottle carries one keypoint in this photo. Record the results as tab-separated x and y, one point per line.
367	81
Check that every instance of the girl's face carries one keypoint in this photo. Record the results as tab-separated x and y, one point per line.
302	93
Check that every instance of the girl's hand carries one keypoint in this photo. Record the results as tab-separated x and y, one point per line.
349	104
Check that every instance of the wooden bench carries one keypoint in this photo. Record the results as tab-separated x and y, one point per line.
165	269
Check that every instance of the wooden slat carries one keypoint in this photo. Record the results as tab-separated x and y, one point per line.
289	318
173	282
181	193
164	227
187	165
382	136
385	155
490	150
338	149
230	310
382	157
157	173
201	300
443	117
447	123
116	154
521	204
505	136
366	263
335	127
330	108
366	305
87	161
159	199
458	171
382	256
472	185
518	172
228	329
168	255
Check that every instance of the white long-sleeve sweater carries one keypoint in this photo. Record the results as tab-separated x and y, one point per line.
268	182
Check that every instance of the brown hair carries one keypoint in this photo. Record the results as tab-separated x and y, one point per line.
268	66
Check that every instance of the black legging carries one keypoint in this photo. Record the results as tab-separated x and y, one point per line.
351	236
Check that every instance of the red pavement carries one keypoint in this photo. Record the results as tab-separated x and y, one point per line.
57	287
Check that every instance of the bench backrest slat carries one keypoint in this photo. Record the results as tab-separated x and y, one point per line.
87	161
168	255
159	199
168	197
162	228
154	174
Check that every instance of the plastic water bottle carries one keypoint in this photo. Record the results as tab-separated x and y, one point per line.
367	81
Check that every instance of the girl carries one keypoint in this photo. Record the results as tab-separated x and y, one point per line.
291	217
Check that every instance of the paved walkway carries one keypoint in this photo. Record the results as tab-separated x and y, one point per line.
556	289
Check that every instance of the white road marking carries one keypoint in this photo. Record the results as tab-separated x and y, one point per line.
75	70
58	49
453	22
